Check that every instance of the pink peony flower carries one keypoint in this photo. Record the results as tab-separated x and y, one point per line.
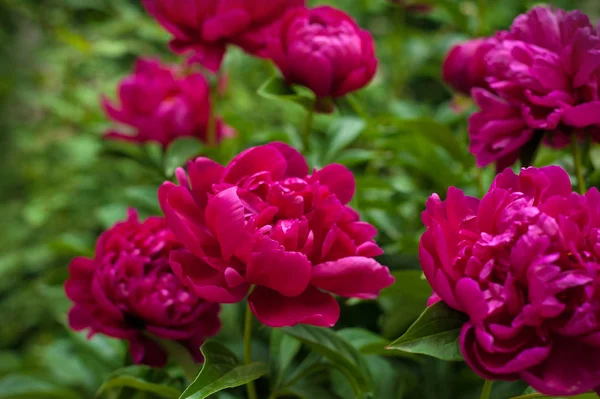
325	50
159	105
546	69
206	27
523	263
128	290
264	221
465	67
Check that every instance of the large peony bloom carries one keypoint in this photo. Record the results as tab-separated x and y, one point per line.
264	221
206	27
523	263
128	291
158	104
325	50
546	70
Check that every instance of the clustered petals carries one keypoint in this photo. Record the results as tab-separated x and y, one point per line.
325	50
264	221
205	28
541	76
523	264
128	291
159	104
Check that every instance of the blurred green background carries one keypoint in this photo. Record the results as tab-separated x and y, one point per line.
61	185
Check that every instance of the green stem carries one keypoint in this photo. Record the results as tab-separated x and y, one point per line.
248	350
578	164
308	129
486	391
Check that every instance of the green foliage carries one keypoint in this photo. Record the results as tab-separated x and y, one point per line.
435	333
221	370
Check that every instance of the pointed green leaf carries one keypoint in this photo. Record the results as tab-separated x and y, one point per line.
435	333
221	370
327	343
343	132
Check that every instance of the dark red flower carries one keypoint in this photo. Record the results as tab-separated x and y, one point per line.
128	291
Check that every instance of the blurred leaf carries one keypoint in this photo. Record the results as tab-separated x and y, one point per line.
277	88
221	370
403	301
435	333
343	131
327	343
282	352
140	385
180	151
18	386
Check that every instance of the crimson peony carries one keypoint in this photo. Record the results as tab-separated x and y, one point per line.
128	290
523	263
324	49
543	73
206	27
264	221
159	105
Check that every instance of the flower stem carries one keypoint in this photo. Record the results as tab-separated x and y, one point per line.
308	129
486	391
251	389
578	164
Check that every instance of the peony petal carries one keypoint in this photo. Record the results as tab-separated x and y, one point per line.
206	282
146	351
225	217
288	273
203	174
311	307
572	368
256	160
354	276
339	180
81	272
296	164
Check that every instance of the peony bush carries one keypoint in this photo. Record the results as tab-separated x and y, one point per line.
301	199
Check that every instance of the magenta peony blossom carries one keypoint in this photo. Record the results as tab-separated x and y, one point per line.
158	105
324	49
544	71
128	290
264	221
465	66
523	263
206	27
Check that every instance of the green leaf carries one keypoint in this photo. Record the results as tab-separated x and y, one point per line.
403	302
17	386
221	370
283	350
369	343
343	132
129	381
435	333
339	351
180	151
277	88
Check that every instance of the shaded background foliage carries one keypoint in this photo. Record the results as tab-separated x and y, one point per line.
61	185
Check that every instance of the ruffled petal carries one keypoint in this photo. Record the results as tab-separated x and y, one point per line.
311	307
354	276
